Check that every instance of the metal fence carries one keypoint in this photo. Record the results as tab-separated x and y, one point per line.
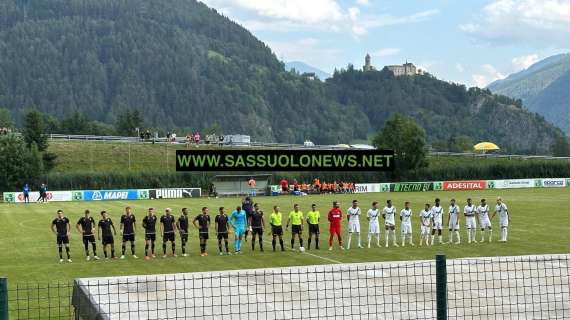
525	287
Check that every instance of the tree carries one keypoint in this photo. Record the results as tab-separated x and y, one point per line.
6	120
34	130
407	139
561	146
18	163
128	122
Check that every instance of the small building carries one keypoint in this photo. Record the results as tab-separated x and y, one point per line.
407	69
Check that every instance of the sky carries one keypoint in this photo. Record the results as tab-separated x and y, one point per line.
472	42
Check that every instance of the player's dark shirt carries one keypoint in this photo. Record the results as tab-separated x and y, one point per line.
61	225
247	206
203	221
183	223
222	221
256	219
128	223
105	225
149	224
87	225
168	223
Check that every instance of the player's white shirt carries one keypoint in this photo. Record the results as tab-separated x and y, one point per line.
483	212
503	214
373	225
373	215
353	219
353	214
425	217
454	212
389	214
406	215
437	213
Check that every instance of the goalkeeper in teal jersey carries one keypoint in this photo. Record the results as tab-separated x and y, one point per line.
238	220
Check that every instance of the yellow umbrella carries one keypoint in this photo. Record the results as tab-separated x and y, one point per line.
485	146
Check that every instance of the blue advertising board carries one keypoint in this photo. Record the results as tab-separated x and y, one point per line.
100	195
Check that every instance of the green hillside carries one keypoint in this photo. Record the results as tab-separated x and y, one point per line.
544	89
186	67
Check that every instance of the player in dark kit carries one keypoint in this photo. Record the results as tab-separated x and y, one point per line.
85	226
105	231
182	225
128	229
257	224
202	223
221	224
247	206
149	225
167	229
60	227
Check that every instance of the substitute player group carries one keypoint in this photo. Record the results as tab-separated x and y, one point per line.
252	221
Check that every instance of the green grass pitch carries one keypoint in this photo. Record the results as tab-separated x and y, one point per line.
539	225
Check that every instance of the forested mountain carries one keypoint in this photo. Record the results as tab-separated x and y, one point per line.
302	67
448	112
544	88
186	67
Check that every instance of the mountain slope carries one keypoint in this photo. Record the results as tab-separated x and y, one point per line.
544	88
447	111
186	67
302	67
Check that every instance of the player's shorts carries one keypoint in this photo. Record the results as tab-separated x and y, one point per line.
374	228
354	226
296	229
223	235
504	222
108	240
437	225
150	236
168	237
128	237
335	228
425	229
453	223
389	224
64	239
240	232
88	238
277	230
257	231
485	223
314	229
184	236
471	223
203	234
406	228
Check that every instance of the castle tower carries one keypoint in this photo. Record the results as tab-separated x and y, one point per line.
367	63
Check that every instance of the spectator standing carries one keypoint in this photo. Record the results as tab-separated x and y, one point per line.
26	191
252	183
295	185
188	140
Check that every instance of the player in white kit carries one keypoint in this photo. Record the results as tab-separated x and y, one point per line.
453	222
406	218
469	212
504	218
425	218
484	221
437	214
373	224
389	213
353	214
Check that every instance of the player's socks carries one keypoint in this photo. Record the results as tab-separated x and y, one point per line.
164	248
506	234
152	247
146	250
300	242
359	243
411	242
394	237
273	243
317	242
387	237
450	238
440	237
133	249
458	237
490	235
293	243
67	252
60	252
123	248
227	246
252	244
482	235
173	248
281	244
112	253
309	242
94	248
86	245
105	253
220	245
349	240
260	244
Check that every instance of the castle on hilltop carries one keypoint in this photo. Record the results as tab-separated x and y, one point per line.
406	69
